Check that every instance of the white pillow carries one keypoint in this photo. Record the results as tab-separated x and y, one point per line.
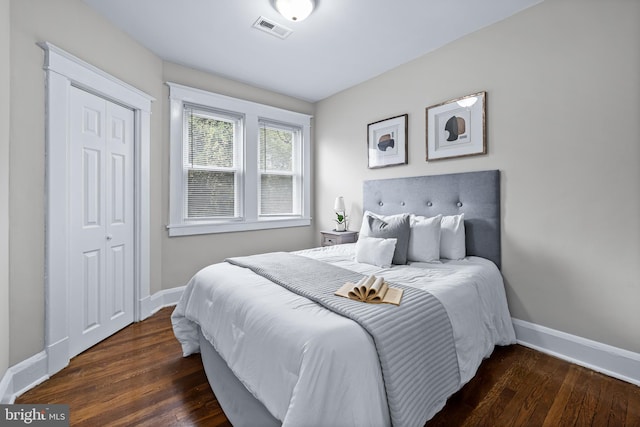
424	239
452	237
376	251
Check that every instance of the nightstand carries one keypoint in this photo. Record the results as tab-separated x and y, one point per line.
330	238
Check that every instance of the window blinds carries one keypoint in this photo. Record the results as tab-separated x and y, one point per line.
210	164
278	169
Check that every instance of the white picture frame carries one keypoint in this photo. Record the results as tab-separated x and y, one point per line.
457	128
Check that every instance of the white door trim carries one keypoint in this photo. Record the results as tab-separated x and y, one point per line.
64	70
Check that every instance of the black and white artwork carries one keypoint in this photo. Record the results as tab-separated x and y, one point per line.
456	128
387	142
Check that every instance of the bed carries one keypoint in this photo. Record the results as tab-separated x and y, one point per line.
274	357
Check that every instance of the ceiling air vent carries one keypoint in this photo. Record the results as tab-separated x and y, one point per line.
271	27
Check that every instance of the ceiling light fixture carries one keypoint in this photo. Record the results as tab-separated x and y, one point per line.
467	101
295	10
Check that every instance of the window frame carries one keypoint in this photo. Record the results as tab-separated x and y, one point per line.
249	201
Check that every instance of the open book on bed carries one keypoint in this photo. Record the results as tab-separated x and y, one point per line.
371	289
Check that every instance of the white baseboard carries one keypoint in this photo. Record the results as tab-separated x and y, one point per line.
23	376
612	361
34	370
165	298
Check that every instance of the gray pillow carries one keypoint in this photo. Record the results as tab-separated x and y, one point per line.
396	228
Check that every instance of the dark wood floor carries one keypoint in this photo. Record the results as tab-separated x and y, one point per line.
138	377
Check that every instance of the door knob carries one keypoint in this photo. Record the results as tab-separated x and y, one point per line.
109	236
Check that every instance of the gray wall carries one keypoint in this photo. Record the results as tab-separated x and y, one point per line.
4	184
73	26
562	115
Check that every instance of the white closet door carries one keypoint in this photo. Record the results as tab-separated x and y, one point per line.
102	213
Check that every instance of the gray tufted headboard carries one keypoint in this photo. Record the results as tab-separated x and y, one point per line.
476	194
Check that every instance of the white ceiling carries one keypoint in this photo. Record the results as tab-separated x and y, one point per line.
342	43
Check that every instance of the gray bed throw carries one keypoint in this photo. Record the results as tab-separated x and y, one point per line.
414	341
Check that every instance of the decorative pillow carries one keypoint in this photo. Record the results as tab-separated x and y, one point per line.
424	239
452	237
396	227
364	228
376	251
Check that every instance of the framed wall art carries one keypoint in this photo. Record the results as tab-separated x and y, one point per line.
456	128
387	142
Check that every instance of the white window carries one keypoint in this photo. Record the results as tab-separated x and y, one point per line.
280	170
212	144
236	165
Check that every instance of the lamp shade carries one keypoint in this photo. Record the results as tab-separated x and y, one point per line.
295	10
338	206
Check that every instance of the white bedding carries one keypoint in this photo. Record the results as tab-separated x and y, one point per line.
307	364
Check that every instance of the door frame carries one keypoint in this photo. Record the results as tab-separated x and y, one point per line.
63	71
